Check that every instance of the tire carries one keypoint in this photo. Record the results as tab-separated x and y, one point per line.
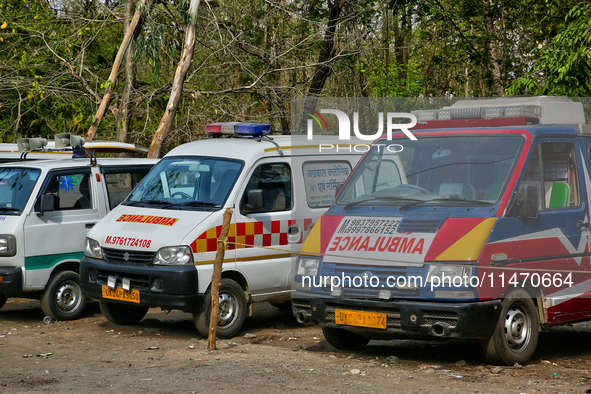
343	339
123	314
3	300
284	306
62	298
515	336
232	311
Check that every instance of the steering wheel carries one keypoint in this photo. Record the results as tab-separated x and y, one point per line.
184	196
413	189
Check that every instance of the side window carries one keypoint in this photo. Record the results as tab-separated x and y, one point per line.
552	168
120	184
321	179
275	182
73	190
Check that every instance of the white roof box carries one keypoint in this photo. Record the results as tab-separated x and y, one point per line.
555	109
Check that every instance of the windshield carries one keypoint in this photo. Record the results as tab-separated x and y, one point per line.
466	170
16	185
192	183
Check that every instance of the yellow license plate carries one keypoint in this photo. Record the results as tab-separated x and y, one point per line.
121	295
361	319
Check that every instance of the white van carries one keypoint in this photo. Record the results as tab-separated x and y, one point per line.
46	209
157	248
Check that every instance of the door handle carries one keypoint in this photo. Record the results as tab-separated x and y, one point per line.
582	224
88	226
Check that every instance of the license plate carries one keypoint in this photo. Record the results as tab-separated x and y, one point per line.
121	295
361	319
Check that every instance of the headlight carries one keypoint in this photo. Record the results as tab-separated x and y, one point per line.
308	266
449	275
93	249
7	245
174	255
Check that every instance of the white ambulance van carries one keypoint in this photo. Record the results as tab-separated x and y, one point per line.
157	248
46	209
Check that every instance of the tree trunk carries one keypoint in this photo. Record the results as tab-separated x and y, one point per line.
144	8
124	111
322	70
177	86
494	50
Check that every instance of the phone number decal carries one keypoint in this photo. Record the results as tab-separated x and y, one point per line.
128	241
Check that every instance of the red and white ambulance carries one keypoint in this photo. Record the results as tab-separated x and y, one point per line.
481	233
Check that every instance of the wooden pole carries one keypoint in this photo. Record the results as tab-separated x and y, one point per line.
216	277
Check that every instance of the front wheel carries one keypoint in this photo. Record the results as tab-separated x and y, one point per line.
343	339
232	311
123	314
515	335
62	298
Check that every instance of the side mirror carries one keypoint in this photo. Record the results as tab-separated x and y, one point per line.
255	200
528	208
49	203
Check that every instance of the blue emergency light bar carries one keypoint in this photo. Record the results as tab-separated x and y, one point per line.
246	129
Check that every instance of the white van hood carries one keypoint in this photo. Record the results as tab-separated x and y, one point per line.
147	229
10	223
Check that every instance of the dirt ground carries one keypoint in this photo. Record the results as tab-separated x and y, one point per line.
164	354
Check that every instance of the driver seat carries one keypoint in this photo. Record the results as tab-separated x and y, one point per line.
464	190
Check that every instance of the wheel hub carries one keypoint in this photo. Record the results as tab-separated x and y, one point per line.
517	329
228	310
68	296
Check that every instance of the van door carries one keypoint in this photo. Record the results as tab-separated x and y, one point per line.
263	240
561	229
58	235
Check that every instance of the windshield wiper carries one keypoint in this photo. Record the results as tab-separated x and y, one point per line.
452	199
195	204
9	209
352	204
150	202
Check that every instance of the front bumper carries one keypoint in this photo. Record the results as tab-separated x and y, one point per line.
178	291
406	318
12	280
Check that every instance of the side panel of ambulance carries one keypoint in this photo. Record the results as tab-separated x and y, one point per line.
157	249
47	207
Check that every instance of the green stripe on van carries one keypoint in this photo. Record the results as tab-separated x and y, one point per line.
50	260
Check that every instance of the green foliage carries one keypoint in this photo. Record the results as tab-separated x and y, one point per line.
252	57
563	66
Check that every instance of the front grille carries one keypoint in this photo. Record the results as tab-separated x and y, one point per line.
418	226
432	317
119	256
393	315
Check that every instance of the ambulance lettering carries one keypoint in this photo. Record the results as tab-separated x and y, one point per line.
375	241
381	244
163	221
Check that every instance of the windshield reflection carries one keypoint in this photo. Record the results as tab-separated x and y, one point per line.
16	185
187	183
463	170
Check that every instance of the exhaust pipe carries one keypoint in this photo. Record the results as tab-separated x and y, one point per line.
302	318
440	330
